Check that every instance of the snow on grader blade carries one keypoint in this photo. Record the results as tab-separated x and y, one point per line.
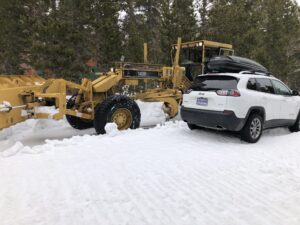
109	98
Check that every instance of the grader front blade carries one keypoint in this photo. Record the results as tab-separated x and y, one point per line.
12	102
22	97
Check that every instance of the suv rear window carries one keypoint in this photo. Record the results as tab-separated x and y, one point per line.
212	83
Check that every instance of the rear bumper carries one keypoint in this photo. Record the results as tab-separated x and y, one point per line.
225	120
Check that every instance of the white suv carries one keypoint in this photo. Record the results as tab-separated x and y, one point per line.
243	102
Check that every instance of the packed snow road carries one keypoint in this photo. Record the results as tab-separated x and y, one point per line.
159	176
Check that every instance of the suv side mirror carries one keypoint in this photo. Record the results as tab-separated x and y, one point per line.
295	93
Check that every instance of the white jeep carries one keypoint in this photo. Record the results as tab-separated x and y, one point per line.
244	102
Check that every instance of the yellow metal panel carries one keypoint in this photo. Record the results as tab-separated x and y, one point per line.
213	44
132	82
176	60
106	82
80	115
13	81
145	53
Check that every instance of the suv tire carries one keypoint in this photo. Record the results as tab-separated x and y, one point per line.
253	129
296	126
192	126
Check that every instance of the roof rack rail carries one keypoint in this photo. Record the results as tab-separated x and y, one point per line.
256	73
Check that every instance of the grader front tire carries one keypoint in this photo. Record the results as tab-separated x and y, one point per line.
121	110
76	122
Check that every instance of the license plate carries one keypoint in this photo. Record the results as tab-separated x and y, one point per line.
202	101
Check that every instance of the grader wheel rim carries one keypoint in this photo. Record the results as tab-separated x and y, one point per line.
123	118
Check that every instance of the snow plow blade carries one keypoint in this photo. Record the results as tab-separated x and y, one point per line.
23	96
11	101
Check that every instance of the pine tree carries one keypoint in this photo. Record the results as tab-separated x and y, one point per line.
236	22
106	33
178	20
60	36
184	19
70	33
15	36
264	30
60	43
152	25
203	9
282	32
134	32
167	31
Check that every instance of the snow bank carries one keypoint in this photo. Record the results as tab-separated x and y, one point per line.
36	132
151	113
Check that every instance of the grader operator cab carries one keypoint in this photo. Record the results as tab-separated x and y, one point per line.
195	55
109	98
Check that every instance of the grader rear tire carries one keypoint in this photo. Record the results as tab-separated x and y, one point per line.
76	122
121	110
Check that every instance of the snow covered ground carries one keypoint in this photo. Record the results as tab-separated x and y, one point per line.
51	174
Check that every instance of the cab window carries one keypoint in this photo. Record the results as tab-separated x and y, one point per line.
280	88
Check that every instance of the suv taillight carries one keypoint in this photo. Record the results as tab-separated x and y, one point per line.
232	93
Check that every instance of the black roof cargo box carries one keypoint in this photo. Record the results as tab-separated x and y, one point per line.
234	64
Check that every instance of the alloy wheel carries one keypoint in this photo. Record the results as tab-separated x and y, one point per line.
255	128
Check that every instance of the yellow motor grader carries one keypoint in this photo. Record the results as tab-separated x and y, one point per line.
109	98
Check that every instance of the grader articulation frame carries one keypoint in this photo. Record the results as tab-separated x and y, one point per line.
109	98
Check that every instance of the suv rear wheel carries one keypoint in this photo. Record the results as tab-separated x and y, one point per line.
192	126
253	129
296	126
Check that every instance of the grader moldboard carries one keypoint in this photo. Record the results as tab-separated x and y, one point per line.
109	98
